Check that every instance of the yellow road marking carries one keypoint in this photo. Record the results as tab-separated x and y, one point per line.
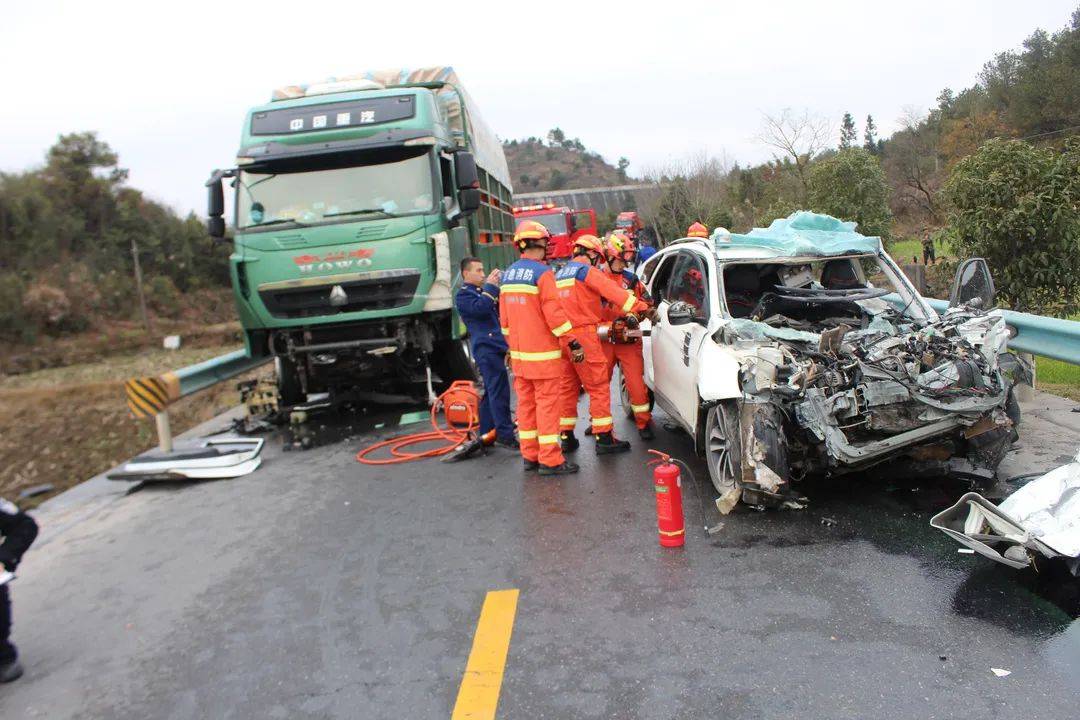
478	695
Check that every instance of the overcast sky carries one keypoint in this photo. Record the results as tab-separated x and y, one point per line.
168	88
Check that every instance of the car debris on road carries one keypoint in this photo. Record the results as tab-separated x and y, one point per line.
1040	519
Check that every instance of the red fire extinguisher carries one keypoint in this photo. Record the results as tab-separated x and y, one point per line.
669	510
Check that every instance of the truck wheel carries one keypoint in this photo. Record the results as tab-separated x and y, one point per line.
452	361
723	446
290	390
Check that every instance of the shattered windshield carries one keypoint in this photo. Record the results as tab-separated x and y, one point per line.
390	183
816	294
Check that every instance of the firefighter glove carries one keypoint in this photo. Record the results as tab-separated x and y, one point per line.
577	353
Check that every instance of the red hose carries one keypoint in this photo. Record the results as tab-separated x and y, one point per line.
453	435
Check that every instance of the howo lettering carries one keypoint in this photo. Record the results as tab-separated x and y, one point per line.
355	200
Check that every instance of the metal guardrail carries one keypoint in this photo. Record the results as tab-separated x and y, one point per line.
1049	337
150	396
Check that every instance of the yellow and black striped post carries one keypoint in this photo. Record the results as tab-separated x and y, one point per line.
146	396
149	397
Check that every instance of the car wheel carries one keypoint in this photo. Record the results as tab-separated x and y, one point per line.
723	447
624	396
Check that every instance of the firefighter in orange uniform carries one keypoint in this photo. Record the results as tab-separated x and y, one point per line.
537	329
697	230
581	288
621	348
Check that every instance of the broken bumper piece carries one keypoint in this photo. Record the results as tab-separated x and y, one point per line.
214	459
1041	518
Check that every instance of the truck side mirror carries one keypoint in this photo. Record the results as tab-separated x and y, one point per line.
468	200
973	285
468	182
215	206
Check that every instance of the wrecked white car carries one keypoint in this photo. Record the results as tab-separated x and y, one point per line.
802	349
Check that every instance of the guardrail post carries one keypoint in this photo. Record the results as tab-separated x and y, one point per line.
164	431
1025	392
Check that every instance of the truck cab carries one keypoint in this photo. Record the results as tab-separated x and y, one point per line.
354	202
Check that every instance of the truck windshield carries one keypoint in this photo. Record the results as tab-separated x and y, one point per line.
309	192
554	222
624	222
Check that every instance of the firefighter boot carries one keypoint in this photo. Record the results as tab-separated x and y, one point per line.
531	466
568	442
607	443
565	469
646	433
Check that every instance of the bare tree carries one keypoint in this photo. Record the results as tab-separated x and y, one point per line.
692	189
912	161
797	137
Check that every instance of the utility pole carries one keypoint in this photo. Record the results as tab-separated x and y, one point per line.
139	286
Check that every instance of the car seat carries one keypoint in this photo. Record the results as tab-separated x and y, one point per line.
840	275
742	288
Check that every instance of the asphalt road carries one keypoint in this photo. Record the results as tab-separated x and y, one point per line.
319	588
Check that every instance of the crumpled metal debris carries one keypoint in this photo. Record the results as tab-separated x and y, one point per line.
1041	518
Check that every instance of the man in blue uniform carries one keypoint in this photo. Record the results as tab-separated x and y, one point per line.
478	305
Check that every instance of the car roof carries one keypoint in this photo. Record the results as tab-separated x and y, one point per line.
738	253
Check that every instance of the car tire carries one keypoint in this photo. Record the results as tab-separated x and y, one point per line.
624	396
723	446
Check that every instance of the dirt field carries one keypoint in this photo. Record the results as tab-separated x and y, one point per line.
64	425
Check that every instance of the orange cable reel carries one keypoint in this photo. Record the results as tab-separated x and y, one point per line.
460	405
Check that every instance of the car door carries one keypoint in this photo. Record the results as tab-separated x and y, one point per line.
684	313
655	273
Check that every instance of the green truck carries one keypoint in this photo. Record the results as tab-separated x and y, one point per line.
355	200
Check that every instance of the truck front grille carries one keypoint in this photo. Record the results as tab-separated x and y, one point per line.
390	290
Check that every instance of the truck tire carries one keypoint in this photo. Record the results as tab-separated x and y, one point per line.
290	390
451	360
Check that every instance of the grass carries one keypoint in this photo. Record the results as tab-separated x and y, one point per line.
903	250
1057	377
62	426
116	368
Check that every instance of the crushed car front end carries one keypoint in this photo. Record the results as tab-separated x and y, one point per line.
841	376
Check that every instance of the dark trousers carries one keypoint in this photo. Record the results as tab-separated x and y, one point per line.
7	650
928	255
495	405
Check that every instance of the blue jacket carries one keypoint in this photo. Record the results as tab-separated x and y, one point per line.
479	310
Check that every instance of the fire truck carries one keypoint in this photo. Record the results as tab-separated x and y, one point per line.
630	223
565	225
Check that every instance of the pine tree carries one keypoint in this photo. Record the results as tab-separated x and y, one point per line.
847	132
870	141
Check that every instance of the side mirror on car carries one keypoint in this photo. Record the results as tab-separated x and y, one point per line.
973	285
680	313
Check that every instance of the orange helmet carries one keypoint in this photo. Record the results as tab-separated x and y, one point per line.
620	246
697	230
693	276
531	234
589	243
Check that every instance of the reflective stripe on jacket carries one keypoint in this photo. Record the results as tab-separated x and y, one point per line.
581	288
532	319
